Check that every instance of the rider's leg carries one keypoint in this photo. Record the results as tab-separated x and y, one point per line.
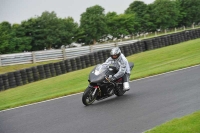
126	82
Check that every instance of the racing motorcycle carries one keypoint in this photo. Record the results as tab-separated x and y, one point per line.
100	87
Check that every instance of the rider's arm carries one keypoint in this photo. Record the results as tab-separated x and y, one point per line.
107	62
122	69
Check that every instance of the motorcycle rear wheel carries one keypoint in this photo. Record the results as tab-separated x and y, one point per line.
87	97
120	91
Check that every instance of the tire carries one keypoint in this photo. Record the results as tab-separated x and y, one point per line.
73	64
137	47
107	54
35	73
119	91
87	61
104	55
96	58
83	62
57	68
92	59
29	75
41	72
100	56
78	63
87	95
47	71
1	84
23	76
5	81
62	67
52	69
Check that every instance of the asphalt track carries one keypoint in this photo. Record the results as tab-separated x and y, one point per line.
150	102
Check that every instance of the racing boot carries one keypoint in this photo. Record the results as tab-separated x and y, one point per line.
126	86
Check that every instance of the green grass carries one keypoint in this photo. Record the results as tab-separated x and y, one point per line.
146	64
186	124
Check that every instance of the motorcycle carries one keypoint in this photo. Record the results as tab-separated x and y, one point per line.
100	87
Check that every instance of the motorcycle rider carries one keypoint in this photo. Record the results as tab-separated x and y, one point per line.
118	60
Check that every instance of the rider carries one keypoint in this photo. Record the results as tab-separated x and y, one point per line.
118	60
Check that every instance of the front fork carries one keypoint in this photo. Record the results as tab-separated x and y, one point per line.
95	90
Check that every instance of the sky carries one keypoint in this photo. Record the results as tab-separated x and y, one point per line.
15	11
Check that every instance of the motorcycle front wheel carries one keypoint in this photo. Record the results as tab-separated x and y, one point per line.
87	97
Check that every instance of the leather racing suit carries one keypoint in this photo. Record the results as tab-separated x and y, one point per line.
123	68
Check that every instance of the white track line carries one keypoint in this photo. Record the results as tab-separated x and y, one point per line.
82	92
40	102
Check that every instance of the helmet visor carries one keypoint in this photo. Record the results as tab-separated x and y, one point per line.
114	56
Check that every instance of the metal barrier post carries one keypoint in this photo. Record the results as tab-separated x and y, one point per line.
33	55
0	61
64	54
116	44
91	48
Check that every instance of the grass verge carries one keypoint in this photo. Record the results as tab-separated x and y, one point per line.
146	64
186	124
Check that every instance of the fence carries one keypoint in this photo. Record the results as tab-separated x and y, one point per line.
165	32
28	75
63	54
39	56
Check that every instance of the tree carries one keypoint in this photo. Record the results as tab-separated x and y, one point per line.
67	30
20	42
139	9
112	25
93	23
165	13
49	31
121	25
32	29
189	12
150	19
13	38
5	36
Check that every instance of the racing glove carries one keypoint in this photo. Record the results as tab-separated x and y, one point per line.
112	78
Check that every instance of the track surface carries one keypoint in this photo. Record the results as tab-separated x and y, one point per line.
150	102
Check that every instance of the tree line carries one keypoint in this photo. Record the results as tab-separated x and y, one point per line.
49	31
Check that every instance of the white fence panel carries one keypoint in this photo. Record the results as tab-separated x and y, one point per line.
75	52
48	55
126	42
39	56
21	58
103	47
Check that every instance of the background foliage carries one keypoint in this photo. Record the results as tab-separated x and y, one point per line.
48	31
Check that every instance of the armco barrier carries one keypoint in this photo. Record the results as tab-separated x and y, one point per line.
59	54
28	75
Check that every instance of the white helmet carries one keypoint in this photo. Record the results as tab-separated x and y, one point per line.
115	53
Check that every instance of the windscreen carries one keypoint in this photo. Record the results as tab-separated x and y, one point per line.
100	69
